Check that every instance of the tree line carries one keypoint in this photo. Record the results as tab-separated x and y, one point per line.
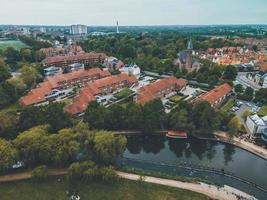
38	146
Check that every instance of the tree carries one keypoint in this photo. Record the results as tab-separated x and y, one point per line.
234	126
34	146
230	73
154	115
248	94
205	119
239	88
9	121
4	71
107	146
8	154
134	116
245	114
95	115
79	170
40	173
64	146
261	95
29	75
180	121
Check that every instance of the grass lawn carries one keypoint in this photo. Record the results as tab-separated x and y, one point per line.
176	98
124	190
263	111
230	103
12	43
123	93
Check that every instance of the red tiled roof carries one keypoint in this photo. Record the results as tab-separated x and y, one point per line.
263	66
88	93
216	94
149	92
37	95
71	58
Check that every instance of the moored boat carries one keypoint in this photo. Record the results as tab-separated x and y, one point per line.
177	134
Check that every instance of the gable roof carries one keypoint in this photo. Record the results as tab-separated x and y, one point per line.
217	93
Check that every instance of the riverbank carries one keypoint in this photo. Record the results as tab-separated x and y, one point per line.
212	191
257	150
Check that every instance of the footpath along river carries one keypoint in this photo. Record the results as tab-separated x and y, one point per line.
220	163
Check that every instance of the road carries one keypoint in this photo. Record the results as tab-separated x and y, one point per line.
241	79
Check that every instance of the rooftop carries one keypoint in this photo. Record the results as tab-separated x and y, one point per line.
217	93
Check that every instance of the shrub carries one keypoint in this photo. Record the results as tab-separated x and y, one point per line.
40	173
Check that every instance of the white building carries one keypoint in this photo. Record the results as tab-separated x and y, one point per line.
78	29
256	125
131	69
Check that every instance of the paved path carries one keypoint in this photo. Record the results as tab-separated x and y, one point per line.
225	193
260	151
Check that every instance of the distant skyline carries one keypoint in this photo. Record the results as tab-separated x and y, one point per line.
133	12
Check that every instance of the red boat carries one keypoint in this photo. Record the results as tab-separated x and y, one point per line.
177	134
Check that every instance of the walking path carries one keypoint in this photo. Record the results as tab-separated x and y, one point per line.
225	193
260	151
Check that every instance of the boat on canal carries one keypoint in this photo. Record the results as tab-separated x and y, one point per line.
177	134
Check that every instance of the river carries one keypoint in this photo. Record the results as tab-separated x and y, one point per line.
243	169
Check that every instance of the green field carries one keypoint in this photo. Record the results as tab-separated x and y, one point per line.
124	190
11	43
263	111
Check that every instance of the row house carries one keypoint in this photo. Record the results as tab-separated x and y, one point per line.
69	50
99	88
61	82
160	89
83	58
218	95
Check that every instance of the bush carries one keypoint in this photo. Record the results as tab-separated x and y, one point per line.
40	173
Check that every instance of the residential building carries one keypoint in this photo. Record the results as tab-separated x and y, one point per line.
61	82
113	63
82	58
56	51
131	69
159	89
256	125
218	95
97	89
78	29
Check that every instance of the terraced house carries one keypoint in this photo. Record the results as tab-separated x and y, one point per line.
60	84
159	89
97	89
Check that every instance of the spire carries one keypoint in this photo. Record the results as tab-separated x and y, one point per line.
190	45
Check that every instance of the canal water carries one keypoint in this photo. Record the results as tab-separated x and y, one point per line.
217	162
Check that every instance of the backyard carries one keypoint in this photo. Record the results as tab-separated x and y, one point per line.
124	190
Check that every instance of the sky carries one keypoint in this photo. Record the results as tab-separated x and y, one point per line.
133	12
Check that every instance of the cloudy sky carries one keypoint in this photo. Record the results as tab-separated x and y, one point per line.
133	12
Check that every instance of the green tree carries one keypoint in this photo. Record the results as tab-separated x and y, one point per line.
8	154
95	115
239	88
180	121
230	73
107	146
34	146
261	95
108	174
205	119
234	126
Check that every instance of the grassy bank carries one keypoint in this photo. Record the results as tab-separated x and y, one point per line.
124	190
